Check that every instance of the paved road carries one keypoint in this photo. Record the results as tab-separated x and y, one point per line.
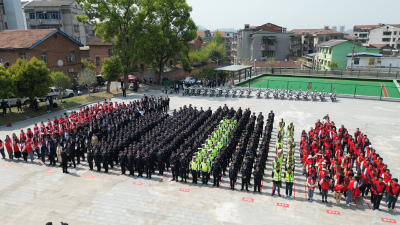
31	194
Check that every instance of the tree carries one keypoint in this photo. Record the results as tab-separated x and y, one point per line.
333	65
121	22
170	32
301	61
111	71
207	72
87	64
271	62
371	61
217	39
87	78
31	79
61	82
6	83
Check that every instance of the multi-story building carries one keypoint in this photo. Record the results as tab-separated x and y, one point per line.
306	40
388	34
259	43
60	15
337	51
341	28
59	51
11	15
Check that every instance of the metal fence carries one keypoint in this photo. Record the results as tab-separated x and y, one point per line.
369	74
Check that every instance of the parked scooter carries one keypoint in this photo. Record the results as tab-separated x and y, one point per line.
212	92
185	91
276	93
241	92
332	95
227	90
267	93
205	92
322	95
290	93
314	94
248	93
219	92
298	94
259	92
282	93
306	94
234	92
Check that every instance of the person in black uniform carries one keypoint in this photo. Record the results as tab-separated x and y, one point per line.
122	163
147	161
216	170
257	179
160	162
174	164
89	157
105	161
183	164
232	176
71	153
97	159
139	164
153	157
131	162
245	174
64	159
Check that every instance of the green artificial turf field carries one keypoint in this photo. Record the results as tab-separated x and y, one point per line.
341	86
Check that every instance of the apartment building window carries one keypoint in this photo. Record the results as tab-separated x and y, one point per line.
32	16
356	61
394	32
330	51
53	15
387	33
363	35
110	53
33	26
394	39
98	61
42	16
321	39
22	55
72	56
268	54
385	39
44	56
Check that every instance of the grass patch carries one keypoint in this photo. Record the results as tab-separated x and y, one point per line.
67	103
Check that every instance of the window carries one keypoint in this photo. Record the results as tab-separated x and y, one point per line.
355	35
387	33
356	61
47	26
76	28
321	39
98	61
22	55
41	16
267	53
385	39
363	41
72	56
394	39
53	15
6	25
32	16
363	35
6	65
394	32
110	53
33	26
44	56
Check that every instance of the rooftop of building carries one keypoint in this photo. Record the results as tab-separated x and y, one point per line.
314	31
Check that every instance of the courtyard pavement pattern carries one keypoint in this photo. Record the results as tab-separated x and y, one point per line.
36	193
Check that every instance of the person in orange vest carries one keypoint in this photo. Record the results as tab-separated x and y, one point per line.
393	188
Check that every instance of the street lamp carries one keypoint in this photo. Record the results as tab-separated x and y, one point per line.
285	64
255	68
390	66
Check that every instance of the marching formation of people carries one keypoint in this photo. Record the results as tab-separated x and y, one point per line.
346	165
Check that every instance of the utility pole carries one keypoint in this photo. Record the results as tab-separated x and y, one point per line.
352	55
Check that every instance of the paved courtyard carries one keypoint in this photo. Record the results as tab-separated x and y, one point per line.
36	193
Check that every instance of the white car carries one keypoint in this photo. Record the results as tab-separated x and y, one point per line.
189	80
53	92
13	100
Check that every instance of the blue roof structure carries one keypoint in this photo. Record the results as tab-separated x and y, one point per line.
365	54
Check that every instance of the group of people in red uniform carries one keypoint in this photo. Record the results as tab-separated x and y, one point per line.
346	164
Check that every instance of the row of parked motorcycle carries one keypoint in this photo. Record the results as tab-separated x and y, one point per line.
275	93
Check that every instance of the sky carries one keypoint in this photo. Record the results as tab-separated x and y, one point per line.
293	14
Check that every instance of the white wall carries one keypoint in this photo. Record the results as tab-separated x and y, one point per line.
376	35
385	62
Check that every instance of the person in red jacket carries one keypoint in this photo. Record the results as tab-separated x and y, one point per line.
393	188
351	188
378	189
325	185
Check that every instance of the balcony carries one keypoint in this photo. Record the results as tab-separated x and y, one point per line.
268	47
294	47
269	38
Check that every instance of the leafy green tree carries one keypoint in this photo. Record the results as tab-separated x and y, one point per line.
111	71
271	62
61	82
5	82
31	79
217	39
121	22
170	32
87	78
207	72
371	61
87	64
333	65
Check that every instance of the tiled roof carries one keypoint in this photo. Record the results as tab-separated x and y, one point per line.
331	43
97	41
314	31
366	26
348	37
49	3
22	39
28	39
379	46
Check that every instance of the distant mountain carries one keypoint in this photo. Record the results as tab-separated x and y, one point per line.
349	31
201	28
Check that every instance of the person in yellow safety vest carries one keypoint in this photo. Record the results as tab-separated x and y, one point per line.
209	163
289	178
198	160
290	165
214	151
280	156
276	178
276	162
205	170
279	145
194	167
282	123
